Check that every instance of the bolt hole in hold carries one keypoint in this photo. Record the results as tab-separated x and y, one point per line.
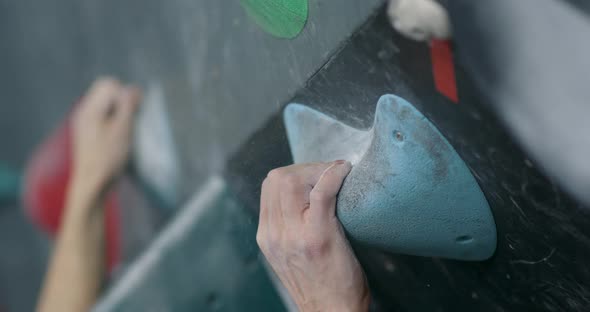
398	136
464	239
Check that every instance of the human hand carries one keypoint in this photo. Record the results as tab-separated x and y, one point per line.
304	242
102	128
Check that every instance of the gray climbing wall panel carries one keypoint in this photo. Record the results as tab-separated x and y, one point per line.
221	75
206	259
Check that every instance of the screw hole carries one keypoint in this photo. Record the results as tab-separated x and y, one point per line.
464	239
398	136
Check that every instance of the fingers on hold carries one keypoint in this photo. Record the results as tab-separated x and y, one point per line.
321	198
323	195
331	179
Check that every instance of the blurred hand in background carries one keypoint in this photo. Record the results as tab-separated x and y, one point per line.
102	129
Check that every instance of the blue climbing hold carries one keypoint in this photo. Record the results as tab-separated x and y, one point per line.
408	192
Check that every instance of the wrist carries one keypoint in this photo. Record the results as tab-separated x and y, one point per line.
91	182
84	195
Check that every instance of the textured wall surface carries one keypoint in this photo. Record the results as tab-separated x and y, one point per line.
543	246
224	82
205	259
220	77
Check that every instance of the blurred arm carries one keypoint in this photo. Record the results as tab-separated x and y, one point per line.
102	132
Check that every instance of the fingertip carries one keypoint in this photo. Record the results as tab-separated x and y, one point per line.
343	167
332	178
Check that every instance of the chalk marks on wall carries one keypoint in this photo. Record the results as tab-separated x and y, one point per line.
280	18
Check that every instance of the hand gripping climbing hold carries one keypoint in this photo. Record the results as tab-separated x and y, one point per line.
408	192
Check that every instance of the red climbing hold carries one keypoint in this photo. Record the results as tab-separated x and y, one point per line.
443	69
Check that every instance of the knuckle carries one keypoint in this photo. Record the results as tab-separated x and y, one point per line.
314	247
275	174
265	183
290	183
285	180
267	244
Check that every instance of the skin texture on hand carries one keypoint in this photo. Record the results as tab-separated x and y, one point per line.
102	128
304	242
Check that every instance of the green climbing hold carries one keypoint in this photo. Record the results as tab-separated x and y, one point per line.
281	18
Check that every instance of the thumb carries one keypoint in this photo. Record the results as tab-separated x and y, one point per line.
323	195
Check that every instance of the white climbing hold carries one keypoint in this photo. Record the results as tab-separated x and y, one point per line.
420	20
154	151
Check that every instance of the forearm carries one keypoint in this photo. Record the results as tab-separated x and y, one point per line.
102	127
77	266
